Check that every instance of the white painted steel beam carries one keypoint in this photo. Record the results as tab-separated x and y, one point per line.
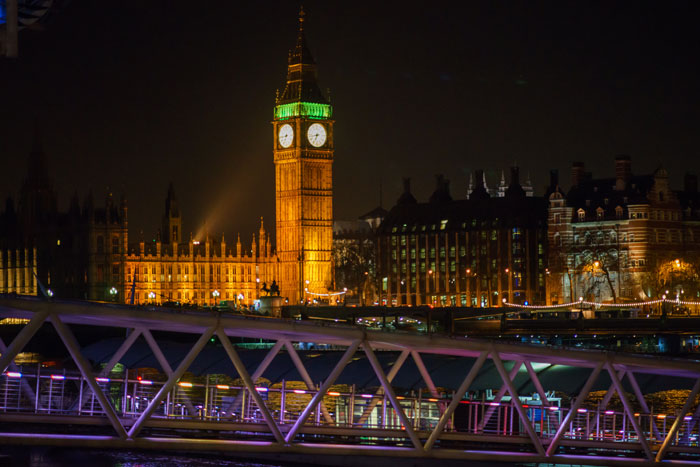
499	395
680	416
642	401
165	365
307	379
390	377
28	391
551	449
249	384
316	399
22	338
389	391
456	399
629	412
515	398
536	381
172	380
269	357
121	351
71	344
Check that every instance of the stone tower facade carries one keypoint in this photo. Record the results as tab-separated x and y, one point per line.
303	156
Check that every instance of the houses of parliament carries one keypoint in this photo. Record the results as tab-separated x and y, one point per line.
86	252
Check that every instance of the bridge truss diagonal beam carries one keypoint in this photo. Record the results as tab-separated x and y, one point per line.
307	379
121	351
269	357
71	344
628	411
456	399
164	364
515	398
28	391
398	363
642	401
536	381
249	384
315	400
22	338
499	395
389	391
677	423
170	383
551	449
427	379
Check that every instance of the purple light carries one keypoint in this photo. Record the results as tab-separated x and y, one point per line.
261	389
58	377
13	374
609	412
582	410
146	382
102	380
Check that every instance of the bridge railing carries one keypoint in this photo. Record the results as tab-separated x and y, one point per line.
36	390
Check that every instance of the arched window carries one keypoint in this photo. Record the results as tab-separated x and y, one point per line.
599	213
618	212
581	215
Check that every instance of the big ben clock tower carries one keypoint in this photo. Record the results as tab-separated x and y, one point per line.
303	154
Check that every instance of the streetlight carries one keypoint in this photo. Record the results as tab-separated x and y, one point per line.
152	296
113	293
216	295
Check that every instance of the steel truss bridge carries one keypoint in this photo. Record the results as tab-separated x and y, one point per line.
93	408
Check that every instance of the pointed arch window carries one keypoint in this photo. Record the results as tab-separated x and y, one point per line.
581	215
599	213
618	212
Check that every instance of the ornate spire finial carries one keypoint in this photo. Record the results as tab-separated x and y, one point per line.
301	18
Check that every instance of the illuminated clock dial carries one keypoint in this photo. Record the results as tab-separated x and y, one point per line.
316	135
286	135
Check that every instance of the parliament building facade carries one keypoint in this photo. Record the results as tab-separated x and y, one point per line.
86	253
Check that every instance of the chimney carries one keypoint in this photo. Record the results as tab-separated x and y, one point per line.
577	173
514	176
406	197
553	178
515	189
691	183
623	172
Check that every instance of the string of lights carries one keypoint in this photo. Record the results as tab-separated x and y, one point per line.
597	304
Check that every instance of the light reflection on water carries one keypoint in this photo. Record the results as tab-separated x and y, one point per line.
60	457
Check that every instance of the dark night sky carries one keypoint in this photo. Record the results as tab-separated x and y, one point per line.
133	94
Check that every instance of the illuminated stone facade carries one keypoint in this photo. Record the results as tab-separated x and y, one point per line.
610	238
203	271
303	156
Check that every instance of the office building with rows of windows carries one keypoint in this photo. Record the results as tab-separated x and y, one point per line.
467	252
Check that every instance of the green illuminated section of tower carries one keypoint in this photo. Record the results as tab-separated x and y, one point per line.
303	109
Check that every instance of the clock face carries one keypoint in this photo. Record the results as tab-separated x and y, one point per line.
286	135
317	135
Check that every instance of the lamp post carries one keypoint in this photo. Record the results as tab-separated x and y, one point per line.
509	275
113	294
152	297
306	291
216	295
